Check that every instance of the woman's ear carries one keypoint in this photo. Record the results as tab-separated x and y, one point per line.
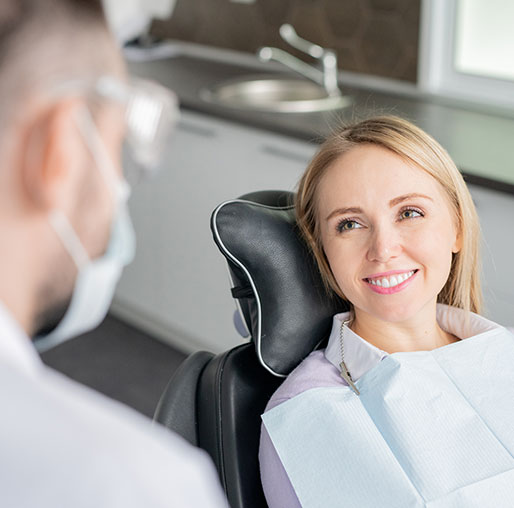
457	246
51	151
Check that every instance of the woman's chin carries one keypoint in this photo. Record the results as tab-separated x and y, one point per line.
390	313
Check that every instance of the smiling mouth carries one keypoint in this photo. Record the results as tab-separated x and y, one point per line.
391	281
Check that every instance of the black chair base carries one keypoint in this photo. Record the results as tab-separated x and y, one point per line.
222	398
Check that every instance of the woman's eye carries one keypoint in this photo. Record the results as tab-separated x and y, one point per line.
410	213
348	225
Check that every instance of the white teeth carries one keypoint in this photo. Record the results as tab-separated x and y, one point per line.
392	281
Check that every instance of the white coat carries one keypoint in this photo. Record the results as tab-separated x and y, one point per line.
62	444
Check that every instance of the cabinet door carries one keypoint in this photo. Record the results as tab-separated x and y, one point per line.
496	213
177	287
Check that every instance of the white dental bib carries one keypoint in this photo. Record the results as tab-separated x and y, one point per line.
429	429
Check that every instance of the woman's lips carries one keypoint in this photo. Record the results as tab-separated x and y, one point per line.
390	282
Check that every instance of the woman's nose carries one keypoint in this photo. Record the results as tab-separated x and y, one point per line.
384	244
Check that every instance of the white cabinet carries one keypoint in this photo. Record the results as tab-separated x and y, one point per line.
496	213
177	287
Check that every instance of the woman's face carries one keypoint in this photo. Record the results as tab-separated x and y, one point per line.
387	231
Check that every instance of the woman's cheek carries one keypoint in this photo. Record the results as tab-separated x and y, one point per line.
345	260
432	251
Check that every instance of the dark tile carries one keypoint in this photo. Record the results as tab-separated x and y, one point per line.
344	18
184	22
387	5
377	37
309	21
274	12
236	26
381	45
349	59
407	68
410	26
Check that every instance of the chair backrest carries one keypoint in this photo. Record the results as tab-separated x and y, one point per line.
283	300
232	394
217	401
177	408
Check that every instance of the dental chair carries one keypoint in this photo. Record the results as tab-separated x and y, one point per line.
215	402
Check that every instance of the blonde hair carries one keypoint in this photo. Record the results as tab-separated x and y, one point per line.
462	289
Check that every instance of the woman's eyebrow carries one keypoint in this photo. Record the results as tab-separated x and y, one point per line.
399	199
341	211
393	202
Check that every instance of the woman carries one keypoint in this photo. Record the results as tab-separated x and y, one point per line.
398	410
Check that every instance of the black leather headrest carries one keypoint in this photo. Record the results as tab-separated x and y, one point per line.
284	303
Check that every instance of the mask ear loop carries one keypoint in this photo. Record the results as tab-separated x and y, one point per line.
119	189
69	238
86	125
61	224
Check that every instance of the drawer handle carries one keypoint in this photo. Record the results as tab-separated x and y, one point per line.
199	130
285	154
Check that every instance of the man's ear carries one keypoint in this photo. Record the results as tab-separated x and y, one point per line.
51	153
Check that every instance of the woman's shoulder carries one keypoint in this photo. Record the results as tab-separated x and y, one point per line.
314	372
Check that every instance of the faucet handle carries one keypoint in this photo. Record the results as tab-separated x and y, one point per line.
328	57
288	33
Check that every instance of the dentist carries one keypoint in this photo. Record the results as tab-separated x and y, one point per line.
66	108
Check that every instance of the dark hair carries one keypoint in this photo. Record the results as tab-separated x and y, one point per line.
16	15
43	41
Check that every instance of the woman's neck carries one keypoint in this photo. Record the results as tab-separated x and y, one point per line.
420	333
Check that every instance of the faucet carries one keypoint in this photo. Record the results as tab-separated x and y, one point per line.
326	77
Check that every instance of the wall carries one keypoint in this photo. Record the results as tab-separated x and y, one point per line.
377	37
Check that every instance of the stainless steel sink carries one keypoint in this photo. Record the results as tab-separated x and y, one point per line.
281	95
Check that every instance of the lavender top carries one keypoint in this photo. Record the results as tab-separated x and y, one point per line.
321	370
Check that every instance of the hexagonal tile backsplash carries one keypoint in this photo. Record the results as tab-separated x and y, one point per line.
377	37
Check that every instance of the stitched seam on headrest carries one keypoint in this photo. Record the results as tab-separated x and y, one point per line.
261	205
219	430
247	273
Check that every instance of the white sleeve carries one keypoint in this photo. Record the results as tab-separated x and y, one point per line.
63	445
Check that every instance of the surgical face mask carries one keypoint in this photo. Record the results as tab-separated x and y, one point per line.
97	278
150	112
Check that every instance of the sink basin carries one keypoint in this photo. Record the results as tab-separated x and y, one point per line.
281	95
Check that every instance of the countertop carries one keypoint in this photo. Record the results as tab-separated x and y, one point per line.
480	140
